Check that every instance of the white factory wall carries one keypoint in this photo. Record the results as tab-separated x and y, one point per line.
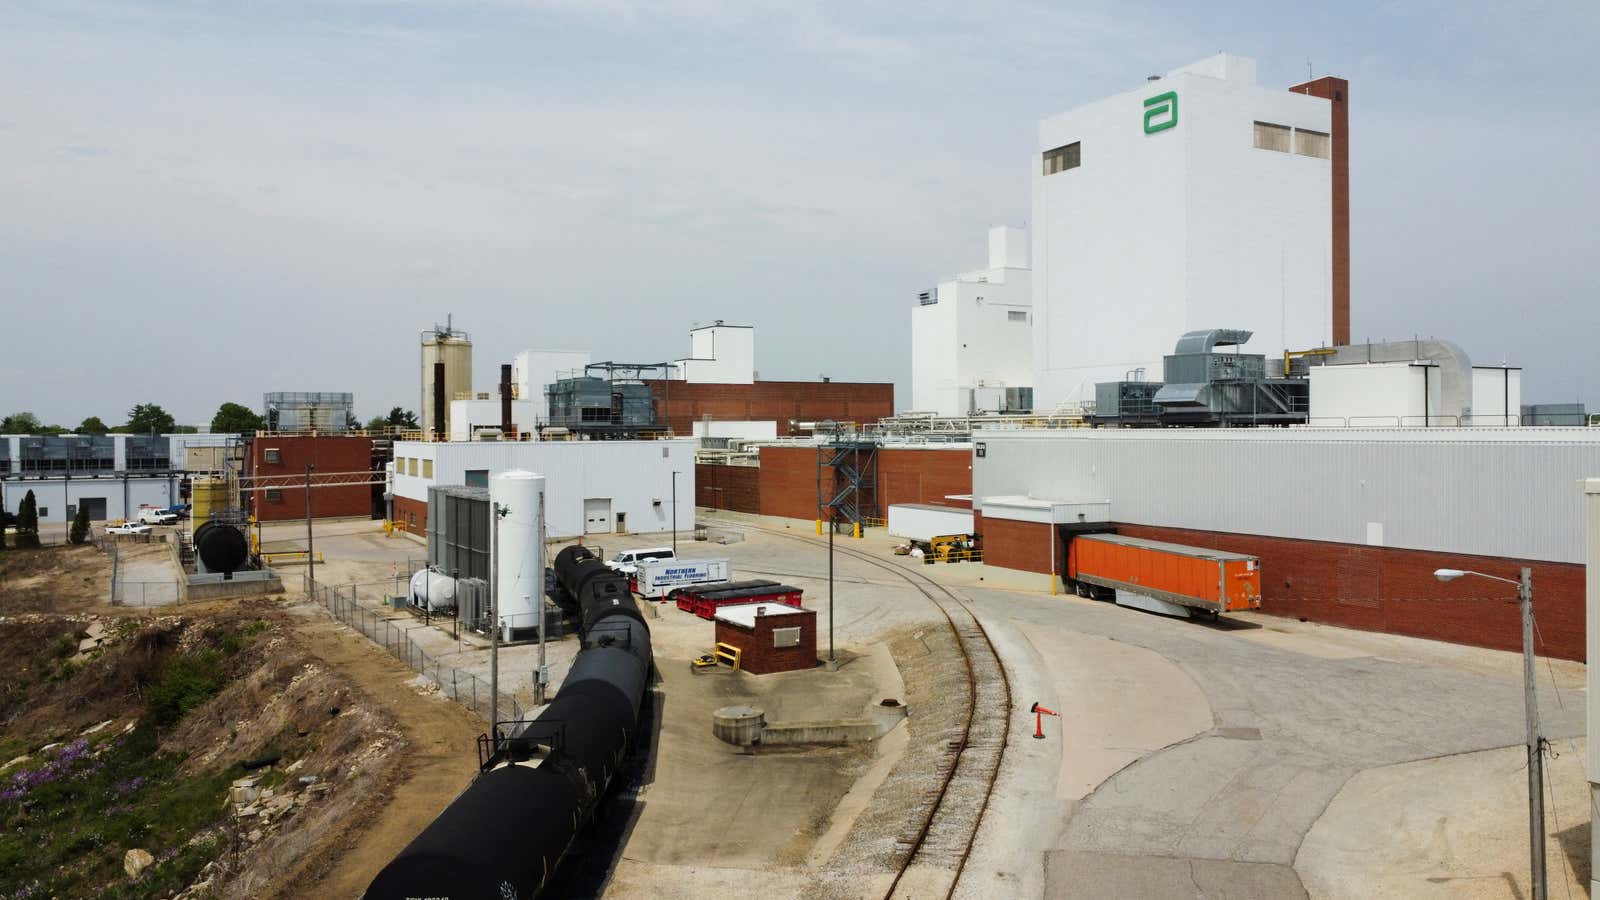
755	430
1483	491
969	339
1376	395
720	354
1496	396
1591	492
635	476
1189	228
532	370
468	415
58	498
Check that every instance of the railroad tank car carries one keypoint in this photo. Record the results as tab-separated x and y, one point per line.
504	836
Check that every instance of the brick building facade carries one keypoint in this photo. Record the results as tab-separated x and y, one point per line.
777	639
734	488
288	455
679	404
789	479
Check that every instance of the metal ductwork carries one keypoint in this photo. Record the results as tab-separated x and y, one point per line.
1210	339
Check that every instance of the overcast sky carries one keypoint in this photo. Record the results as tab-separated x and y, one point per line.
201	202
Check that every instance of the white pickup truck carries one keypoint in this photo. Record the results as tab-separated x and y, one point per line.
151	515
128	528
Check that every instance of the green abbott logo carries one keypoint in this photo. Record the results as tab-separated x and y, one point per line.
1157	107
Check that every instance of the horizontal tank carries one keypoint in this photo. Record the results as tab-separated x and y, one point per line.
433	591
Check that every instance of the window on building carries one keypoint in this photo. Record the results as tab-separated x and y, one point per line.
44	512
1016	315
427	468
399	465
274	495
1062	158
273	456
1272	137
1311	143
476	478
412	469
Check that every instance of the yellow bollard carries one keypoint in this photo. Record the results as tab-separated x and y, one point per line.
819	527
858	531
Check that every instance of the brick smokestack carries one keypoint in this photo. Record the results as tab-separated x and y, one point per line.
438	401
507	427
1337	92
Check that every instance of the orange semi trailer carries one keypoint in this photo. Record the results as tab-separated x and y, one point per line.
1213	580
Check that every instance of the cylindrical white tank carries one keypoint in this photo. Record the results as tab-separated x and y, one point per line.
520	554
434	590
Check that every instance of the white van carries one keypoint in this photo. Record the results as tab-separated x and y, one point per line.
627	561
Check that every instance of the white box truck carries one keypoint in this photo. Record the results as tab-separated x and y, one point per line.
923	522
658	576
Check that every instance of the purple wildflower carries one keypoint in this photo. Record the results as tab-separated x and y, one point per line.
130	785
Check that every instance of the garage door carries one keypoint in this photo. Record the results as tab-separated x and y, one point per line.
95	505
597	515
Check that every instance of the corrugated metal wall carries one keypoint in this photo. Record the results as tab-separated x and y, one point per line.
1509	493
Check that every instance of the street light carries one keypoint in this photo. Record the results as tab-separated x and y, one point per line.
1531	709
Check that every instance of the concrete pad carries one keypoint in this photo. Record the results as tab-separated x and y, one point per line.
1094	876
1455	826
1118	702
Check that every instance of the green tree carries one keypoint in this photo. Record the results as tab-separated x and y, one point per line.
236	418
402	418
3	519
148	418
28	521
80	526
378	423
93	425
20	423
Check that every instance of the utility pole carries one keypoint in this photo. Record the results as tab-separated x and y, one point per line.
1535	752
311	558
494	627
542	676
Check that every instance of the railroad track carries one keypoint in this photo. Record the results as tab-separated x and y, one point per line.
934	856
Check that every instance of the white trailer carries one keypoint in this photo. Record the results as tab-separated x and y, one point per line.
658	576
923	521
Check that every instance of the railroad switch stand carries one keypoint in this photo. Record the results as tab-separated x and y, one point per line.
1039	713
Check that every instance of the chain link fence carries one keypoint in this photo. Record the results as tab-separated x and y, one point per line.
394	635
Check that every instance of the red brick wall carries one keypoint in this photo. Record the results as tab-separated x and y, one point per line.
329	454
680	403
1393	590
1015	545
759	657
1337	92
789	479
728	487
411	515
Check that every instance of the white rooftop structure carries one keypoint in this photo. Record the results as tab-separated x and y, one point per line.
719	354
971	336
744	614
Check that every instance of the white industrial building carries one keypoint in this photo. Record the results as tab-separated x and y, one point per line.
592	487
1491	492
971	337
1199	200
112	474
719	354
533	370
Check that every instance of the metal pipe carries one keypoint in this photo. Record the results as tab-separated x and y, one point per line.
438	401
311	558
507	427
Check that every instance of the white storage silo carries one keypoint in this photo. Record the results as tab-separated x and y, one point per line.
520	552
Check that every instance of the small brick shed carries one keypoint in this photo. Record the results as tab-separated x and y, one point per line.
771	637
